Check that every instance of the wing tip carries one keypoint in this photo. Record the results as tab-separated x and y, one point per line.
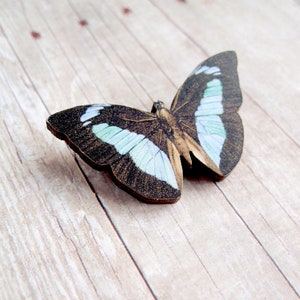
228	55
53	130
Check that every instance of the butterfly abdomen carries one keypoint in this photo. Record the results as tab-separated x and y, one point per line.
173	130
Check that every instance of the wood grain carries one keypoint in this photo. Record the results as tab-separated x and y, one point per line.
68	232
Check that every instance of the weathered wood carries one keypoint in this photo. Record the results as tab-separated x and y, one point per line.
235	239
56	241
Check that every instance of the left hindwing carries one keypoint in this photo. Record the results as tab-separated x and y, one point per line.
206	106
127	140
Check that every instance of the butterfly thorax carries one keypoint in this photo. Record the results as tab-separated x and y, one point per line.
173	130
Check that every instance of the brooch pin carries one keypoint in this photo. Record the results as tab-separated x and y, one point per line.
143	150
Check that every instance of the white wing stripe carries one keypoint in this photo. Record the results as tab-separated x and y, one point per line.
117	137
131	143
210	128
212	70
92	111
144	153
207	70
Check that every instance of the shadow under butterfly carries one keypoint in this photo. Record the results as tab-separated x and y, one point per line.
143	150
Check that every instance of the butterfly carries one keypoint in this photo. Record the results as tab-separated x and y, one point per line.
143	150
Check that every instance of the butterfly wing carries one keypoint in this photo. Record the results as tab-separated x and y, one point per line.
127	140
206	106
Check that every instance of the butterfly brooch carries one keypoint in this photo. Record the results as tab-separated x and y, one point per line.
143	150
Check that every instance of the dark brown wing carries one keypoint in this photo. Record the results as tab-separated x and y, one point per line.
206	106
127	140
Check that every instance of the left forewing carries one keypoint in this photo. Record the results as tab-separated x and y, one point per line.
128	141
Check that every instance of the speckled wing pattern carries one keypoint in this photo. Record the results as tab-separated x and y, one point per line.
206	107
142	149
128	141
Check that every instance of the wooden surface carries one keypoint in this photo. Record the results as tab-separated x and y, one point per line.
67	232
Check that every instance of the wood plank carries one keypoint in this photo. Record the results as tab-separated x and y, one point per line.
197	248
135	29
239	238
266	38
281	203
56	240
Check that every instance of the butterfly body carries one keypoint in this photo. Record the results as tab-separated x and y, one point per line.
143	150
173	130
